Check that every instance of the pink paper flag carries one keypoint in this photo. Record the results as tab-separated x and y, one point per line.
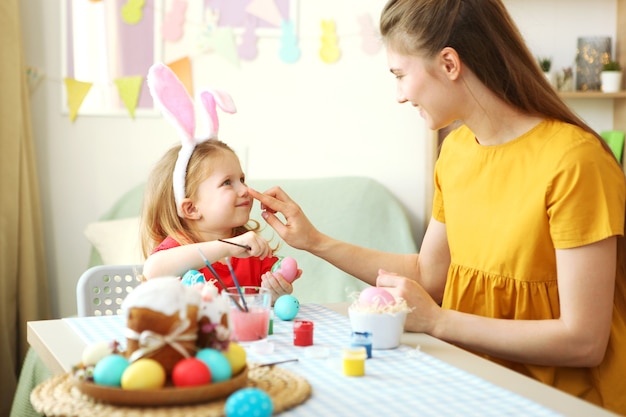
265	10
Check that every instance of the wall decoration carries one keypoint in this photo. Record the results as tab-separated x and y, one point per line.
174	21
182	69
590	54
132	11
33	78
289	50
128	89
370	41
100	46
329	51
76	93
108	46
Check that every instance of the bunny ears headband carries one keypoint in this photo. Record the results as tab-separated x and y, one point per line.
171	97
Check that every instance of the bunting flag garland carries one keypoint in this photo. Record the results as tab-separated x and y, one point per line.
128	89
182	69
229	29
76	93
33	78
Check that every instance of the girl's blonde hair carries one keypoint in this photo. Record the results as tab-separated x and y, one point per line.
487	40
159	217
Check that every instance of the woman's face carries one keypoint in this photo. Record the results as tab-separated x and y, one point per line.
423	83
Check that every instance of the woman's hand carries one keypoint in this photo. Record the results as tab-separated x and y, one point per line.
424	310
297	231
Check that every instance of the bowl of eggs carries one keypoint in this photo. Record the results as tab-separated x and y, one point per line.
379	313
108	376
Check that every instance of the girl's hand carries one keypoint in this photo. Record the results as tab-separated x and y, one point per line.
424	310
276	283
258	246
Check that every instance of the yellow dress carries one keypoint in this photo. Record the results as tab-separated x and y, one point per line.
506	209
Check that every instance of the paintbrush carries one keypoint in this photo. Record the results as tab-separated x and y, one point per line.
217	277
232	274
246	247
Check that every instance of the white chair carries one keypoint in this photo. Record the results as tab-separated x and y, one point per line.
101	289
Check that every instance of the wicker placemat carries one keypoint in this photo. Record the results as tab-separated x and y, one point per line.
58	397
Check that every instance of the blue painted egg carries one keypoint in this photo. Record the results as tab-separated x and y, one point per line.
249	402
286	307
193	277
217	363
108	371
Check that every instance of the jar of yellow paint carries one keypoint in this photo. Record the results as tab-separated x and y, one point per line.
354	361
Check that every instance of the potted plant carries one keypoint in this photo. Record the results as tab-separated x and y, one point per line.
545	63
611	76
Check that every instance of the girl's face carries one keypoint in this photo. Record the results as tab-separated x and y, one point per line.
222	198
422	83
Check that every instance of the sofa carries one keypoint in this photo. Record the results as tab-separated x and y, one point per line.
359	210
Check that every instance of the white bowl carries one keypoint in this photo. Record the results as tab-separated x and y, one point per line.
386	328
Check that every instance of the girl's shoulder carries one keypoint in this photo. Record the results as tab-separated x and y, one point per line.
167	243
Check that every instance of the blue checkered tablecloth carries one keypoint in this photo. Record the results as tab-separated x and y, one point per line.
401	381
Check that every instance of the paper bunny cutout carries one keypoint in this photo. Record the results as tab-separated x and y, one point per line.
171	97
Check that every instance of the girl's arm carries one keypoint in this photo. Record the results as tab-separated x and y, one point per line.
178	260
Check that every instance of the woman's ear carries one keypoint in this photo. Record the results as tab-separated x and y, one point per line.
189	210
450	62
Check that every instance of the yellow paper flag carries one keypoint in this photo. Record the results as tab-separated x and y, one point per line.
76	92
128	89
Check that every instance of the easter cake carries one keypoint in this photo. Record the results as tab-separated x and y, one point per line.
162	321
178	349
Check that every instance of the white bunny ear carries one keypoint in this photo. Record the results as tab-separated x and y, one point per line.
176	105
210	98
172	98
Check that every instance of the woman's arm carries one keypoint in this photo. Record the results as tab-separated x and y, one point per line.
363	263
586	280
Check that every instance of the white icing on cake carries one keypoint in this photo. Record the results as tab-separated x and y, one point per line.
165	295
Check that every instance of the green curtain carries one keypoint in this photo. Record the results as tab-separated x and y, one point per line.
23	279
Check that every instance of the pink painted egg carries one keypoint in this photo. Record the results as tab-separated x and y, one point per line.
287	267
375	296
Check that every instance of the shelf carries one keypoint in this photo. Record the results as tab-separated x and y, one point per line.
591	94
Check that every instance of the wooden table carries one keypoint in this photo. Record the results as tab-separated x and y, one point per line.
59	346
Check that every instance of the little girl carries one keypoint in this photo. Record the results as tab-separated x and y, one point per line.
196	200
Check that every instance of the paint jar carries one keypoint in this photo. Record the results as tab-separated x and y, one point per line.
302	333
362	339
354	361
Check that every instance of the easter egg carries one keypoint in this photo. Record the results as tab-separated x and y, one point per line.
249	402
193	277
190	372
108	371
217	363
144	373
236	356
287	267
96	351
375	297
286	307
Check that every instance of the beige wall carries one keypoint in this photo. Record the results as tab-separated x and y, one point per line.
307	119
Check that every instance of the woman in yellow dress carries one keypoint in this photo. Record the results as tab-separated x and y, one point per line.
523	259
